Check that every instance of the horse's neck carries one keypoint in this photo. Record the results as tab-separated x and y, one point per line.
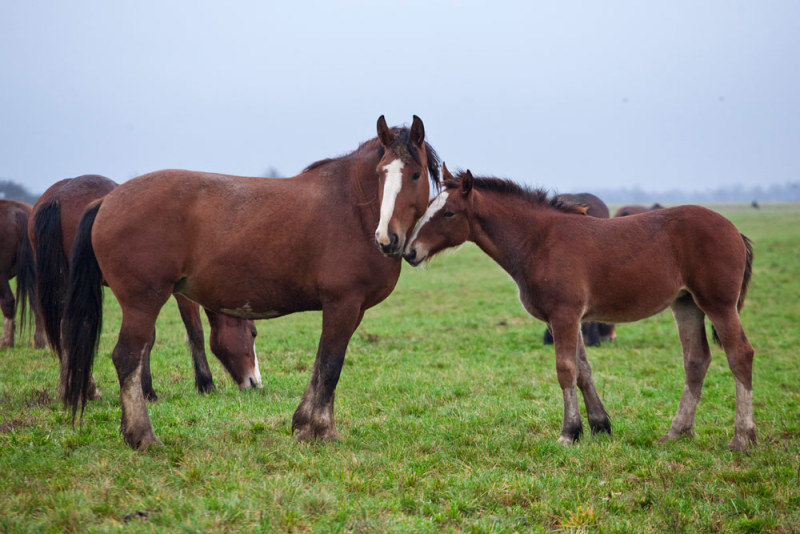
362	188
508	230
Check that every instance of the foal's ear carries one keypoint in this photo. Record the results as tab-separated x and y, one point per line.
466	182
417	131
446	173
384	133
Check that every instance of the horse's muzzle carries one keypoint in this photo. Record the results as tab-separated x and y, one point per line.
393	249
411	257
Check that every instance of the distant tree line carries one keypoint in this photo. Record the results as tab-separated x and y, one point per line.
787	192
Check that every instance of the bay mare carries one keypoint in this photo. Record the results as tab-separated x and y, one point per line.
52	230
16	260
330	238
567	267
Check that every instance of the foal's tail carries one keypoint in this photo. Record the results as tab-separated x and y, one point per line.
748	272
83	314
52	270
26	273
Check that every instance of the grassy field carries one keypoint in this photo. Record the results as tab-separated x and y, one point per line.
449	411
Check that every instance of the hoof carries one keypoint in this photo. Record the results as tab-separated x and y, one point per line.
141	441
150	395
204	388
566	440
742	441
600	427
307	433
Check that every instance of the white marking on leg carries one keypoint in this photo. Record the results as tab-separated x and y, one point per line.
744	409
391	188
683	422
433	207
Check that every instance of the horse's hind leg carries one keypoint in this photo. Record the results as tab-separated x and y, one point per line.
740	359
147	379
190	314
8	307
566	336
696	359
134	341
595	411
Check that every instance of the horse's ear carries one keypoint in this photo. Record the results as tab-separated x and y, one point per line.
446	173
466	183
417	131
384	133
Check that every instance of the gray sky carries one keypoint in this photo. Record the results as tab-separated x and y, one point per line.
566	95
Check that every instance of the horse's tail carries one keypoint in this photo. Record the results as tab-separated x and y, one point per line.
748	272
52	270
83	314
26	273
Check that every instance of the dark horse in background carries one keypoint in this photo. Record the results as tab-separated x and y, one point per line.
567	268
594	333
328	239
624	211
16	260
52	230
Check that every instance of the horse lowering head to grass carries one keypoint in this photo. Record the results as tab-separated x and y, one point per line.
567	268
52	230
330	238
16	260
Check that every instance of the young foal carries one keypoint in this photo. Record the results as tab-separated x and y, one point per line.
566	267
330	238
52	228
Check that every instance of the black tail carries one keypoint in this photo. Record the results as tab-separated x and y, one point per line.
83	314
748	272
26	273
52	270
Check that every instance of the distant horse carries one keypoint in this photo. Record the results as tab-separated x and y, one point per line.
624	211
52	230
16	259
593	332
249	247
566	266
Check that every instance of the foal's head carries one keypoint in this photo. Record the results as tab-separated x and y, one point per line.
403	183
232	340
445	223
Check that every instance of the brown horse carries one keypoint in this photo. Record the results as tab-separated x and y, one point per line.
624	211
52	230
252	248
16	259
565	265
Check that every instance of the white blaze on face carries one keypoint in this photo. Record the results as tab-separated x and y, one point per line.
257	372
391	188
433	207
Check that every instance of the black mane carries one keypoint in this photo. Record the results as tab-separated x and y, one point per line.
535	196
403	139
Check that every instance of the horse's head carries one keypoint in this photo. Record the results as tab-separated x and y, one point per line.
445	223
233	342
402	183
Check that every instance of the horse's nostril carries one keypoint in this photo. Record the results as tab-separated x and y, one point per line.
411	254
395	239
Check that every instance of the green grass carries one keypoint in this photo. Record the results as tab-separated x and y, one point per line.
449	411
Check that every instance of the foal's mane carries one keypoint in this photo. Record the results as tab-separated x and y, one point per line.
402	138
535	196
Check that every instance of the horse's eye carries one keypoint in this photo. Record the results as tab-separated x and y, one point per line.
254	333
448	214
416	176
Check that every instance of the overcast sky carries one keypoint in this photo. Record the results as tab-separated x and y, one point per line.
566	95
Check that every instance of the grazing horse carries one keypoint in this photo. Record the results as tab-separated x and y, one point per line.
52	230
330	238
624	211
565	265
16	259
594	333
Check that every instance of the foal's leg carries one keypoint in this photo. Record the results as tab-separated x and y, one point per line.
696	359
135	337
566	336
7	305
595	411
740	359
190	314
313	418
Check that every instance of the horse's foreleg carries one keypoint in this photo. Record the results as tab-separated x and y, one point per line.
135	337
595	411
565	336
190	314
8	307
696	359
313	418
740	360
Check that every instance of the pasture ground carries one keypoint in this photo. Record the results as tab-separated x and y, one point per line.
449	409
